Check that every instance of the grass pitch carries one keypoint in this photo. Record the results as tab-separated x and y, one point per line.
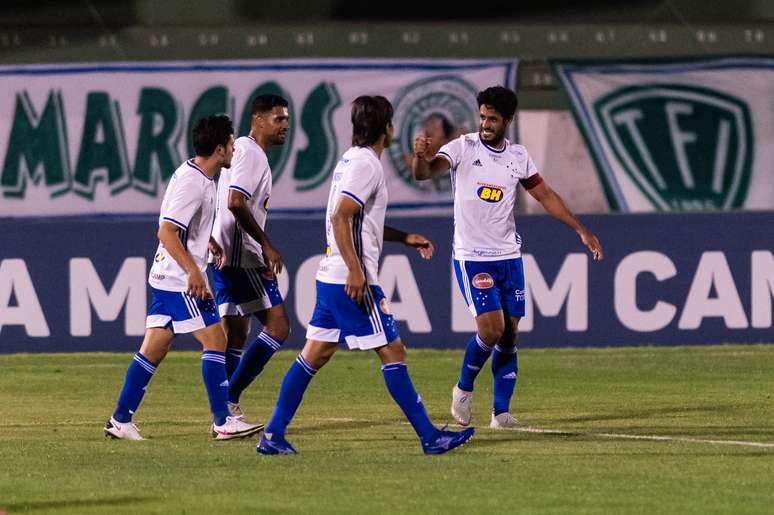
357	455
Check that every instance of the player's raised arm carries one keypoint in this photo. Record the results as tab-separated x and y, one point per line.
341	221
426	167
555	206
237	204
419	242
168	235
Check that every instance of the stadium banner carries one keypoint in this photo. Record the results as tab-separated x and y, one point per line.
105	138
690	135
79	284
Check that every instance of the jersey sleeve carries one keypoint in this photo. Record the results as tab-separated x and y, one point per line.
247	170
452	152
185	201
359	183
532	178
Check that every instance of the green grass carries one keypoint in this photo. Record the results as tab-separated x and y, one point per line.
357	455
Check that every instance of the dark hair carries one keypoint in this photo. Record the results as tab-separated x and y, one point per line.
446	125
210	132
370	118
264	103
501	99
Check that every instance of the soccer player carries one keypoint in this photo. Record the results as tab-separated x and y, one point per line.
351	306
181	301
247	283
486	170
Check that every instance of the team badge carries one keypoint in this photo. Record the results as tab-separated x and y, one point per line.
452	97
482	281
683	147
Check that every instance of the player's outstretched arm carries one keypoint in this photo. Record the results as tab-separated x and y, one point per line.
237	204
341	221
423	166
555	206
197	284
419	242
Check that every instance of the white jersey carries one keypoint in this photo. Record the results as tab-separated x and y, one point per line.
484	182
359	176
251	176
189	203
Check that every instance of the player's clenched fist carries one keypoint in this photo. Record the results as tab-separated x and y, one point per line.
420	145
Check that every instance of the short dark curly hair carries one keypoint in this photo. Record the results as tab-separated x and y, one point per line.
502	100
211	131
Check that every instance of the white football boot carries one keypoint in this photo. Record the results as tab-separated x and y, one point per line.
236	411
235	427
461	406
504	421
122	430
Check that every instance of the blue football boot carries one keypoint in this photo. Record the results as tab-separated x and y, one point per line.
446	440
274	444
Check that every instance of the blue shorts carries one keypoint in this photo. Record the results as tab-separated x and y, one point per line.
336	318
242	291
492	285
180	312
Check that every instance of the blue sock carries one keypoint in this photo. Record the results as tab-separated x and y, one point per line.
232	361
138	375
216	384
254	359
476	354
399	384
291	392
505	367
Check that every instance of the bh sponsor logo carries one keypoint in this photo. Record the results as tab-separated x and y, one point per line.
491	194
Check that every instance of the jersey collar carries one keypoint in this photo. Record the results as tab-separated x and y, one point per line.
491	148
195	167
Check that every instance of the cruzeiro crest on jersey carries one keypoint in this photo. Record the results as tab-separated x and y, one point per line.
684	147
450	96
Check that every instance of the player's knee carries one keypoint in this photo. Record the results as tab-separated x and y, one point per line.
491	335
279	329
507	340
236	340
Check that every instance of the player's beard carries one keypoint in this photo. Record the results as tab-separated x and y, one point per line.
496	140
280	137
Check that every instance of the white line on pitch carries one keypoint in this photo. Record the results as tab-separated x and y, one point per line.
644	437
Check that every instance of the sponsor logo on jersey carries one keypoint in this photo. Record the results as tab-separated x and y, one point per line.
519	294
159	257
266	204
450	96
490	194
384	306
482	281
683	147
477	162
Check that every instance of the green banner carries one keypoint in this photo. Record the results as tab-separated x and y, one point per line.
678	136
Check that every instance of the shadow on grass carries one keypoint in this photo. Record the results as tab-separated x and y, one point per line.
74	503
